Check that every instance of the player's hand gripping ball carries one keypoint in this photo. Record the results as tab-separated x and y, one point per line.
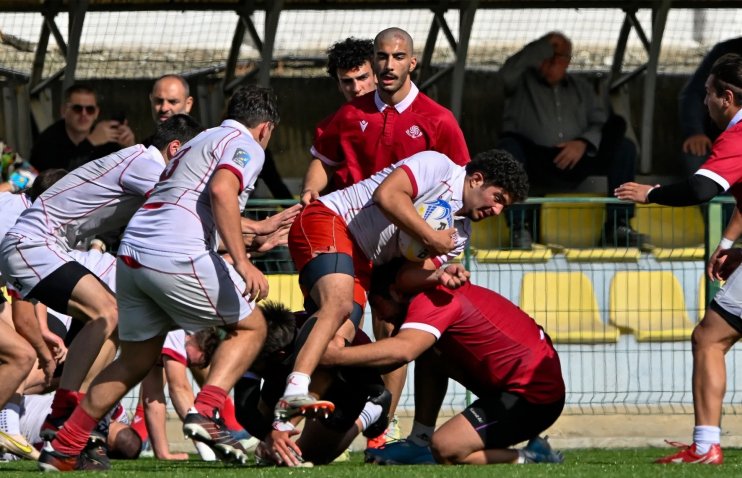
438	215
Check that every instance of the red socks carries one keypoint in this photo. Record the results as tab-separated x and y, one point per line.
65	401
209	398
71	438
228	414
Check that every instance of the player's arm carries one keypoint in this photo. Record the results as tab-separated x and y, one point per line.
721	264
224	190
27	325
697	189
394	197
315	180
155	412
181	390
270	224
417	276
395	351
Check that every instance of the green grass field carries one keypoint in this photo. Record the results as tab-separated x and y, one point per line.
635	463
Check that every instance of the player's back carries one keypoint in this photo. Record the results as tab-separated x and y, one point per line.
12	205
179	207
98	196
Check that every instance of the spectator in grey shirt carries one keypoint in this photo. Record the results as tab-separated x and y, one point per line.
560	129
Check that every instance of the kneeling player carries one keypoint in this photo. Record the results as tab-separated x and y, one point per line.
361	401
486	343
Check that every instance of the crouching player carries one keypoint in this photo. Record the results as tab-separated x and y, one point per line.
361	401
483	341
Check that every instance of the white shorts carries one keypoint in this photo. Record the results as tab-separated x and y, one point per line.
26	261
157	294
729	296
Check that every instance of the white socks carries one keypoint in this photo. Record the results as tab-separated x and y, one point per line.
10	419
369	415
297	383
705	436
421	435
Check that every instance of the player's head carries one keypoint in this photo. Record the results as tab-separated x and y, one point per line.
44	181
554	69
123	442
256	108
349	63
200	346
174	132
170	96
724	89
394	60
281	331
388	303
80	108
494	180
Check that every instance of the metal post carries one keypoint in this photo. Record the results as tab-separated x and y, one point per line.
77	19
466	21
272	14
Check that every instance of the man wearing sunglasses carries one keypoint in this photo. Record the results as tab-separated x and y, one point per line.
73	140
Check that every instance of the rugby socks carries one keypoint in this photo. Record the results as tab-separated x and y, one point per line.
228	414
297	383
65	401
704	437
73	436
369	415
10	419
209	398
421	435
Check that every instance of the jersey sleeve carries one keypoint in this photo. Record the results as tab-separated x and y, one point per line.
174	346
723	165
326	145
244	159
433	311
141	175
426	170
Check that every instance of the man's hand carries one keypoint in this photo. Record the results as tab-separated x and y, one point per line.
173	456
266	243
723	262
125	135
279	443
255	282
308	196
105	132
634	192
453	276
56	346
273	223
47	364
571	153
698	144
440	242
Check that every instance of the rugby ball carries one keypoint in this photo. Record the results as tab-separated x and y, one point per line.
438	215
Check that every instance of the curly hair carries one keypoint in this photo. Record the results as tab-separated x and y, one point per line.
348	54
281	328
500	168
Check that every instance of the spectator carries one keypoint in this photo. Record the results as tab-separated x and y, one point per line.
73	140
558	127
698	129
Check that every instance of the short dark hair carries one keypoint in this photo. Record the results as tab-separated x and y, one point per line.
252	105
384	276
178	127
500	168
349	54
80	88
727	73
207	340
44	181
127	445
281	328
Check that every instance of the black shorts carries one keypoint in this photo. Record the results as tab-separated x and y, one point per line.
504	419
55	289
349	393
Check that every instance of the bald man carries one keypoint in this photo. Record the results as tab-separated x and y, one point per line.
170	96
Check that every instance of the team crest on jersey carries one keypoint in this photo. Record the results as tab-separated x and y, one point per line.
414	132
241	157
364	123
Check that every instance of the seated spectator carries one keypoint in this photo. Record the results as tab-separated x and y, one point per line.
559	128
77	138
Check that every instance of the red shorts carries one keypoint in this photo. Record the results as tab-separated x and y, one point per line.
319	230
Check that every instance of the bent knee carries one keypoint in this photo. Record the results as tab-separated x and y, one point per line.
444	453
21	355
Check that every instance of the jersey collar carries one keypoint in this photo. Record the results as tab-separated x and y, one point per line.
229	123
155	154
737	118
402	105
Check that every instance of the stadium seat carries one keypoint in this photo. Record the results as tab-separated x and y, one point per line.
284	288
650	305
490	234
572	224
564	304
675	233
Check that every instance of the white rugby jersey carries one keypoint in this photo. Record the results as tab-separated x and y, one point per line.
174	346
11	205
433	176
96	197
177	217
